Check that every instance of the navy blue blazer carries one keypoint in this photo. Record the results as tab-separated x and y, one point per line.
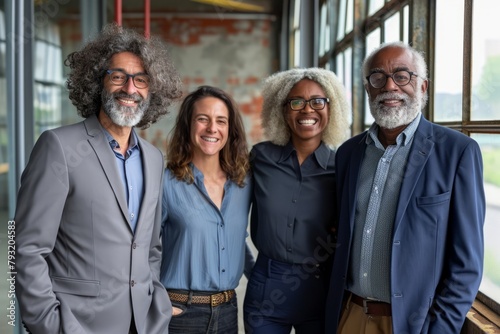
437	249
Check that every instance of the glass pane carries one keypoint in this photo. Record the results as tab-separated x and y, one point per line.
391	29
323	28
486	61
341	18
344	73
406	24
340	67
296	51
55	38
296	14
348	78
448	71
349	16
374	6
372	41
490	148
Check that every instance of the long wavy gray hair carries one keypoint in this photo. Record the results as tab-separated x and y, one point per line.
85	83
275	91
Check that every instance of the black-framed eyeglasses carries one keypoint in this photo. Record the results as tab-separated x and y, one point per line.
316	103
400	78
120	78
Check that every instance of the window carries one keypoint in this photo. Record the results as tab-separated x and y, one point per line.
448	69
295	34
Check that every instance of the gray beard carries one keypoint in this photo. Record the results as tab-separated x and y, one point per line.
123	115
393	117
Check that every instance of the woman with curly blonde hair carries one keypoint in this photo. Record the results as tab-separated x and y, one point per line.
206	201
305	117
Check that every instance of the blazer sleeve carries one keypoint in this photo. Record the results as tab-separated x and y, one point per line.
465	247
40	203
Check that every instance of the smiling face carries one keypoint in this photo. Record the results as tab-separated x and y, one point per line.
306	124
395	106
209	126
125	105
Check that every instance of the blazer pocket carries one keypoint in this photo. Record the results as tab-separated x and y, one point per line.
74	286
434	200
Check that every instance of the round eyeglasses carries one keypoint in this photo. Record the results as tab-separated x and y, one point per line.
120	78
316	103
400	78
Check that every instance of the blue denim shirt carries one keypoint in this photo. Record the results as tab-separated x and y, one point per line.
203	247
131	174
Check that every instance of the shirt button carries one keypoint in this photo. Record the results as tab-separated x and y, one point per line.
132	215
132	283
223	248
294	201
289	249
134	245
223	270
290	225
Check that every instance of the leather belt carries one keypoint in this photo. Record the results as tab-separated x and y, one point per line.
214	300
372	307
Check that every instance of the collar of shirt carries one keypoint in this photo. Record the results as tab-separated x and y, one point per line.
402	139
133	143
321	154
198	175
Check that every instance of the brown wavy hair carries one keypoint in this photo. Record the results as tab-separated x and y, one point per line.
88	66
233	156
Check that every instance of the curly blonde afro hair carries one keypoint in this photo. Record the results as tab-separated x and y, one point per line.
275	91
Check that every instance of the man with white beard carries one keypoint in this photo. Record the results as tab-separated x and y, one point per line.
411	208
89	207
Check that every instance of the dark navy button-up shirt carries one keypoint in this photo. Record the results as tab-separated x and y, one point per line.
293	205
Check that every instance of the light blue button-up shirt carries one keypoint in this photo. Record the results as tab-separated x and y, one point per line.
131	174
379	182
203	247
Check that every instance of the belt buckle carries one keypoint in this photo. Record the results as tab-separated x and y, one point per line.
365	305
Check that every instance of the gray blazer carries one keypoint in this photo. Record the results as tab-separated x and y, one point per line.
80	268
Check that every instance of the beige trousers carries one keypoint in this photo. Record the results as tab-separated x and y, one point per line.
355	321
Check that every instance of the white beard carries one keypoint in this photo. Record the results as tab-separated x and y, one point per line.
393	117
123	115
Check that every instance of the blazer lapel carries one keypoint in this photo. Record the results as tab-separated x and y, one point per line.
355	165
100	145
151	173
418	156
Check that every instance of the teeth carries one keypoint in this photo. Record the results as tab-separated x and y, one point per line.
212	140
127	101
307	121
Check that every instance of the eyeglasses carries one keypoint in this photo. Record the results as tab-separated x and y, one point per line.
120	78
400	78
316	103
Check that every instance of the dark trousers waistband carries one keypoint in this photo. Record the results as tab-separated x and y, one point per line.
271	266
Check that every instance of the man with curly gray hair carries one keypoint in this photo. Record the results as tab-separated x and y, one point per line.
89	207
305	117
